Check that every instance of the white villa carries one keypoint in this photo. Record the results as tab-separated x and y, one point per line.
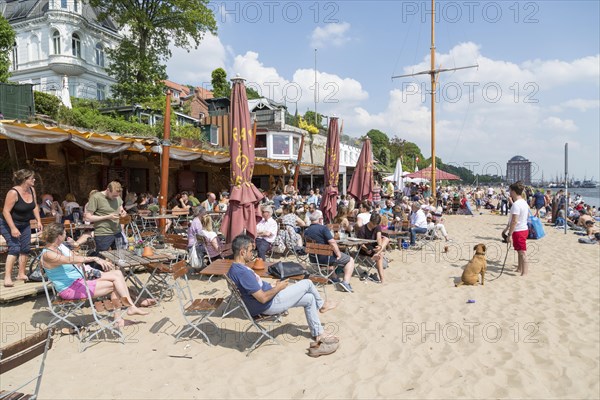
58	38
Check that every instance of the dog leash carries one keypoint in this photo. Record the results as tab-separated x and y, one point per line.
503	264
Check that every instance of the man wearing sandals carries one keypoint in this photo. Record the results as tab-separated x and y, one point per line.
262	298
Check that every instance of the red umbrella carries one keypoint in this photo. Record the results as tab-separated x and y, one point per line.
361	184
439	175
332	174
243	211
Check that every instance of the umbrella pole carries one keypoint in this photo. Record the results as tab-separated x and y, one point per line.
164	170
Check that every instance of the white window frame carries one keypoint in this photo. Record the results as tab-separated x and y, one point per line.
56	42
100	91
100	55
76	45
15	57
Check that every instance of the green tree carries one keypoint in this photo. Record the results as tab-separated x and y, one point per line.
7	41
379	142
152	25
220	84
309	117
407	151
46	104
252	94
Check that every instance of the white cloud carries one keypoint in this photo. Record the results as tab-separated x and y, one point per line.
578	104
332	35
196	66
336	94
560	124
502	109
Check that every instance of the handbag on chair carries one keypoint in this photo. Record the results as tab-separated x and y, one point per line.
284	270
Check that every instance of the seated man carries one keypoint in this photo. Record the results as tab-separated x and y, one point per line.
320	234
262	298
418	222
266	232
375	251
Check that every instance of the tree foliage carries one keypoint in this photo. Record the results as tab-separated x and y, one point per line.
46	104
220	84
138	62
7	40
222	87
309	117
407	151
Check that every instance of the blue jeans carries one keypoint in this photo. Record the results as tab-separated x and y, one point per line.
413	234
262	247
104	243
20	245
300	294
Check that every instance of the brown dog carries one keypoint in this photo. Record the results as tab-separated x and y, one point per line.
476	266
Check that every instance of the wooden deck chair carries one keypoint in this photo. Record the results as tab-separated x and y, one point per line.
17	354
194	311
254	322
314	250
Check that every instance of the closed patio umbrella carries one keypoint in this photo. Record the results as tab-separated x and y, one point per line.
361	183
243	210
332	174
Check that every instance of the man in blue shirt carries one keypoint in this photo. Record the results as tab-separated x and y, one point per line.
262	298
320	234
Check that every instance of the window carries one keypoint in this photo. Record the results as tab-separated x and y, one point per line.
73	86
214	134
76	45
261	141
15	57
295	145
56	42
100	91
281	144
100	55
63	3
75	6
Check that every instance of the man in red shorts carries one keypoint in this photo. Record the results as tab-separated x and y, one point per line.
517	225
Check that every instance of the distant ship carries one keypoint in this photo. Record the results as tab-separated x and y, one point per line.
588	185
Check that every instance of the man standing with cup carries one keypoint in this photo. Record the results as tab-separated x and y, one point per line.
104	210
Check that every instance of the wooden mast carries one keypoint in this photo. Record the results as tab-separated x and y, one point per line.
433	73
433	79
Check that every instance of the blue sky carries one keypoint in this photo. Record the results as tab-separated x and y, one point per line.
537	85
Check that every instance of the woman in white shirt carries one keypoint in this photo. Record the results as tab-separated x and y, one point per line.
517	225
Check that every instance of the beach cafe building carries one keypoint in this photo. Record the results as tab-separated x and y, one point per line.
73	161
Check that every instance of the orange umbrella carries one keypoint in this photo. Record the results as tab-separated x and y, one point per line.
243	210
361	183
332	174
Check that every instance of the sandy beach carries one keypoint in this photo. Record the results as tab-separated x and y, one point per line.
414	337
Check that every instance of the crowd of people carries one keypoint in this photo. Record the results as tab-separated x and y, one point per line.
286	215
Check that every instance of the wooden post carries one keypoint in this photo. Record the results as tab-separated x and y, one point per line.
298	161
164	170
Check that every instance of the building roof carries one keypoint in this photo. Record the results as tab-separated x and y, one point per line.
20	10
518	158
183	89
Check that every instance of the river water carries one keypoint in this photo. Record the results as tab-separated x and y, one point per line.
591	196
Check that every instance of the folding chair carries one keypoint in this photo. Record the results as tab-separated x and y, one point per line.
313	251
130	228
194	311
236	296
104	313
17	354
61	309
